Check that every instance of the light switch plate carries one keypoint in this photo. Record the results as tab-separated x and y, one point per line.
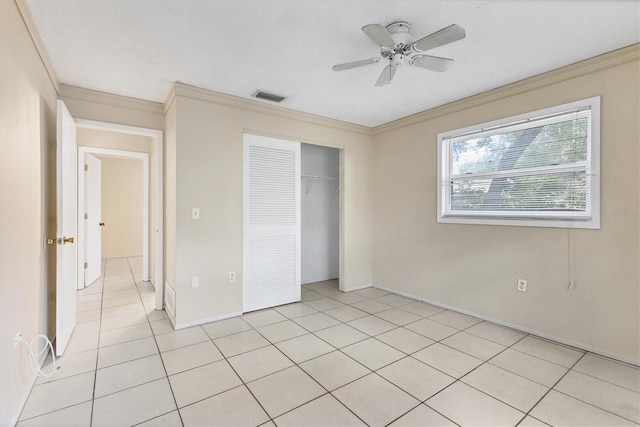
195	213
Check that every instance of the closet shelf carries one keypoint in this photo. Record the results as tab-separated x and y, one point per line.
323	178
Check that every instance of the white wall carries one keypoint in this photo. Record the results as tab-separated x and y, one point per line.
320	213
122	197
27	205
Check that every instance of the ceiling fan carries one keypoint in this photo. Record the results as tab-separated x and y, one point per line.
397	47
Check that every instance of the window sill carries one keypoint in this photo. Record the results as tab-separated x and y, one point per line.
592	224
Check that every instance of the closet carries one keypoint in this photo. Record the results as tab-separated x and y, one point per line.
320	207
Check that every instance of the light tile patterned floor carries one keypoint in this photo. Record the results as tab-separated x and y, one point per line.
363	358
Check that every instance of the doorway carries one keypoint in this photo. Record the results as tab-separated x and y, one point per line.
153	249
320	200
120	227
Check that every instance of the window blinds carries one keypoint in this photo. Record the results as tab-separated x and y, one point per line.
539	168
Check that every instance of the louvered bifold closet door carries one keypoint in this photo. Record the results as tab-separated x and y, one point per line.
271	214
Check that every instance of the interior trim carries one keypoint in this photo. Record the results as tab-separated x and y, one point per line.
105	98
181	89
581	346
37	42
588	66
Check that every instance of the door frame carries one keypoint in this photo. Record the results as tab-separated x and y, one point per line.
157	209
84	192
117	154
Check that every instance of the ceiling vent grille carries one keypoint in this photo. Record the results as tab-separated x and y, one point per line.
268	96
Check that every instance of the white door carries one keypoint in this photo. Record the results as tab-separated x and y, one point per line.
66	217
93	218
271	211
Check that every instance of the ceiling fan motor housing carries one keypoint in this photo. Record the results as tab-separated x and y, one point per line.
400	32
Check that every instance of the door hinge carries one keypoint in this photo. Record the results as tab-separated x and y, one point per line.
86	167
86	216
86	265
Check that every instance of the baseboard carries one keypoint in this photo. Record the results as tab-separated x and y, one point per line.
209	320
520	328
359	288
23	401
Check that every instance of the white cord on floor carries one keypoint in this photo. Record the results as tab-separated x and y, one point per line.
34	358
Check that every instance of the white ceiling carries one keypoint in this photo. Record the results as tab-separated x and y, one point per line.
137	48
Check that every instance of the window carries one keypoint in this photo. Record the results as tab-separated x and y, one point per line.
536	169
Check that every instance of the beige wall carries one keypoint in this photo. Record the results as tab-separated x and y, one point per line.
475	268
208	162
128	142
121	207
113	140
27	205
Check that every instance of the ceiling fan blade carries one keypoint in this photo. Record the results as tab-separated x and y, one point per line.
386	76
432	63
378	34
354	64
446	35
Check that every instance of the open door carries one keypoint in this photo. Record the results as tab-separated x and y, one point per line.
93	218
271	222
66	218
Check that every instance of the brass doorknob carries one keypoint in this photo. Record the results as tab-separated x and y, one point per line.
67	240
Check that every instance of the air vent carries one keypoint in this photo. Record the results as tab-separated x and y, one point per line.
268	96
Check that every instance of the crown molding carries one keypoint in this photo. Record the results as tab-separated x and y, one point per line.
181	89
171	97
37	42
105	98
588	66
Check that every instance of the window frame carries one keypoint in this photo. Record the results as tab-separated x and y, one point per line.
588	220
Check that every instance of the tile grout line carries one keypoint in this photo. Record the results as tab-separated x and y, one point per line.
308	375
552	387
424	402
244	384
456	380
420	401
95	372
166	377
375	337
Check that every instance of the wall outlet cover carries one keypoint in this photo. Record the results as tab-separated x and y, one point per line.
522	285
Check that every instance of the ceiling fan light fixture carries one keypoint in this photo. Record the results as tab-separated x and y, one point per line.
259	94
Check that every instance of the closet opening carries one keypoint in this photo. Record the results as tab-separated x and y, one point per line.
320	215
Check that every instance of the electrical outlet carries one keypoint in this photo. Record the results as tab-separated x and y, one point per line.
232	277
195	282
16	339
522	285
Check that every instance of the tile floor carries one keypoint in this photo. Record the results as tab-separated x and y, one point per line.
335	359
